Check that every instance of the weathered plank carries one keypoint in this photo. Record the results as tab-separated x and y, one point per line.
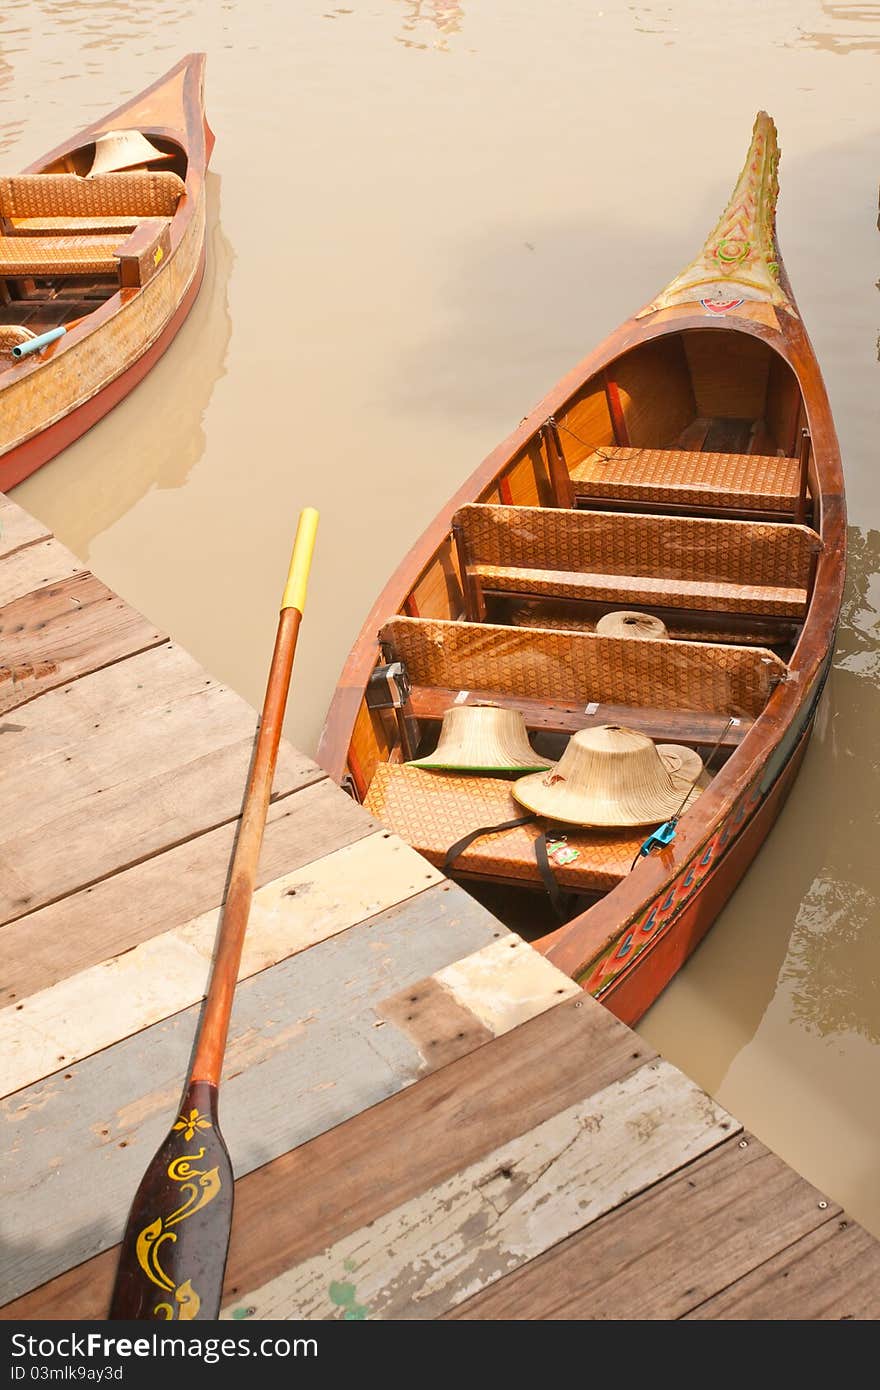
67	716
35	566
155	895
688	1238
63	630
347	1177
18	528
305	1053
49	790
167	973
834	1272
108	831
495	1215
476	999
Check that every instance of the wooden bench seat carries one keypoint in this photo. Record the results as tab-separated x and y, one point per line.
644	591
430	703
73	226
625	559
126	193
22	256
431	810
682	478
132	258
583	668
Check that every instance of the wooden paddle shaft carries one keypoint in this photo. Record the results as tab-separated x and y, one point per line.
214	1026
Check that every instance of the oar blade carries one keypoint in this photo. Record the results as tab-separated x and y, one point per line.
173	1254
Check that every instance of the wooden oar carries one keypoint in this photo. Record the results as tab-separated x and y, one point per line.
173	1254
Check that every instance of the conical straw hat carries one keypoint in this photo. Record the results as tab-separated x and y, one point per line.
612	776
483	738
628	623
123	149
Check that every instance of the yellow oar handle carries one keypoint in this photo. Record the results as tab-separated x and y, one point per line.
301	560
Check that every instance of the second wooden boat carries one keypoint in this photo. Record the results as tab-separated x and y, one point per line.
102	252
687	469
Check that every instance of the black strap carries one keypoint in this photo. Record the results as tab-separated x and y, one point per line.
557	899
548	878
461	845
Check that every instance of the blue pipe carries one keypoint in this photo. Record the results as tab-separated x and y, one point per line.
37	344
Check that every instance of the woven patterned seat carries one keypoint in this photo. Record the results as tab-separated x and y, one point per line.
744	482
619	557
431	810
584	667
61	255
133	193
74	226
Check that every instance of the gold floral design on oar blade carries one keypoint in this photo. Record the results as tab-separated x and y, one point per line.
191	1122
200	1186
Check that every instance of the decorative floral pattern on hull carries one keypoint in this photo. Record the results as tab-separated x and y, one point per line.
656	919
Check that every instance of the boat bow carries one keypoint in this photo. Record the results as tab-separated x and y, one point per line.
740	259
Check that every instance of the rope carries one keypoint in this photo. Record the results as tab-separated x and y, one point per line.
665	833
597	449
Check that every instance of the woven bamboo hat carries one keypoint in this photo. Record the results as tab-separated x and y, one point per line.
483	738
628	623
123	149
612	776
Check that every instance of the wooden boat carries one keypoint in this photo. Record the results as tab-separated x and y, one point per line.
104	238
687	468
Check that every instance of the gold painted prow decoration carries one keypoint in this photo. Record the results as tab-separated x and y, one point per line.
740	259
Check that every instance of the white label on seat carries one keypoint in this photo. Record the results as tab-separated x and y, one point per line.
461	697
592	708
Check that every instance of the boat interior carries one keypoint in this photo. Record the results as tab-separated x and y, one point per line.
77	232
679	483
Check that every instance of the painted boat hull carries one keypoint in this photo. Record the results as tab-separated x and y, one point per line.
47	402
627	946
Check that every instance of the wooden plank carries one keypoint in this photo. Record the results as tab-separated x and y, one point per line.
345	1178
167	973
35	566
524	1196
306	1051
134	820
155	895
64	718
560	716
47	791
18	528
688	1238
476	999
834	1272
63	630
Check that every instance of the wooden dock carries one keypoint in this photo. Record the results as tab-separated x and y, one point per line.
426	1119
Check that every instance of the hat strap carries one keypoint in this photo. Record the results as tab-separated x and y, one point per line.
545	869
461	845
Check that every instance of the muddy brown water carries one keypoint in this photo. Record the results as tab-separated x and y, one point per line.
422	213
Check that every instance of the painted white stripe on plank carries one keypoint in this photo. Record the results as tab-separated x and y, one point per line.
96	1007
436	1250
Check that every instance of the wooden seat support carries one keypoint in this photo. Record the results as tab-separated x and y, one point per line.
563	717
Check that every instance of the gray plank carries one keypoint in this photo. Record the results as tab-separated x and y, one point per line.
307	1050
